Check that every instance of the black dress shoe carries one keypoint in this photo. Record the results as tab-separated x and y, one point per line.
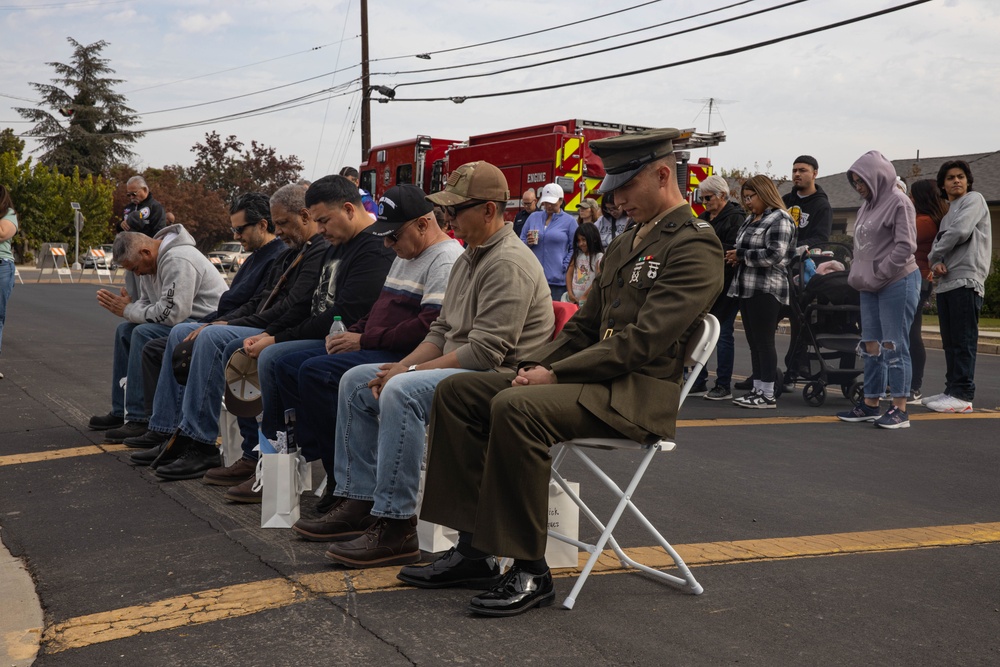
453	570
146	440
192	463
104	422
744	385
517	592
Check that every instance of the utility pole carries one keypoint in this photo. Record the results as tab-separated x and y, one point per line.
366	117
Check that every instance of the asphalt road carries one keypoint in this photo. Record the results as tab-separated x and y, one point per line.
853	576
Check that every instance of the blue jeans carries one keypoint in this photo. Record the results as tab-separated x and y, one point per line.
725	310
380	443
130	338
273	410
958	314
309	382
195	408
886	316
6	285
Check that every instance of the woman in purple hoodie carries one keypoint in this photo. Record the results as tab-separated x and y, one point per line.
886	274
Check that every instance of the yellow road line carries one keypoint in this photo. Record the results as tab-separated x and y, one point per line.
824	419
54	454
35	457
246	599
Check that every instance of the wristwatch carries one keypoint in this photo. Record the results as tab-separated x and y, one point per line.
411	368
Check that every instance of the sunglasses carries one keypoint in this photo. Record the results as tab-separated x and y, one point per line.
707	198
394	236
238	231
132	195
453	211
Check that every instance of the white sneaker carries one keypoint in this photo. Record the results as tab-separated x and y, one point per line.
949	404
932	399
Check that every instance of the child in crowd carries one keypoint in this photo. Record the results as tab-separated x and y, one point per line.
585	264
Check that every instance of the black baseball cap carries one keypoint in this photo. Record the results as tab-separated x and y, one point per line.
399	205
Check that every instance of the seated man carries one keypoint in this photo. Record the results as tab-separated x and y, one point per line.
614	371
176	282
410	301
354	271
250	215
191	413
496	311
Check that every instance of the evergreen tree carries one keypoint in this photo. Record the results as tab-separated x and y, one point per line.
97	134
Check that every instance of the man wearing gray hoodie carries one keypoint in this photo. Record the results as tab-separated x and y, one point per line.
177	283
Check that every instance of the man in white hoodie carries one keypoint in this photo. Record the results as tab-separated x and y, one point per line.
177	283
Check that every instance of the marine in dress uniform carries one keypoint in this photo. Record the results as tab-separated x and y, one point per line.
489	464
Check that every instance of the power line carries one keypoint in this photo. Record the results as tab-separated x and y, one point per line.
238	67
645	70
513	37
608	49
568	46
326	111
61	5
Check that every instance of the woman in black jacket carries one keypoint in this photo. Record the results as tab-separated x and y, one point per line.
726	218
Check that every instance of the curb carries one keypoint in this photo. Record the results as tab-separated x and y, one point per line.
21	620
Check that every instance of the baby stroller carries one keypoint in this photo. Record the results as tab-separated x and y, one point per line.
826	323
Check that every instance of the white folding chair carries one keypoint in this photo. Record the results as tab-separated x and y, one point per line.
699	350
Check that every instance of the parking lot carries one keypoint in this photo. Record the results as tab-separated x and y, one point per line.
817	542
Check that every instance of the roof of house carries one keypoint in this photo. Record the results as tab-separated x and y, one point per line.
985	172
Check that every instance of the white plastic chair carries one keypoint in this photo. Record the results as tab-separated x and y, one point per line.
699	350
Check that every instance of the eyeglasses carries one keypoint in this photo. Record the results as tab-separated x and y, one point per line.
857	183
749	197
394	236
238	231
453	211
707	198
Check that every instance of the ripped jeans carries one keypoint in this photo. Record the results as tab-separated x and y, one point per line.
886	317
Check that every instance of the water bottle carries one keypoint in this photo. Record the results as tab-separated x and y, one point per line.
290	442
337	327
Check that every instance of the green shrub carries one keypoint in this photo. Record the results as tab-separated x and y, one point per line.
991	301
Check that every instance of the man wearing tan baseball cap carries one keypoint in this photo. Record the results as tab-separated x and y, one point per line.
496	312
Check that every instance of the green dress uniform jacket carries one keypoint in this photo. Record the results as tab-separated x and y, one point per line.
618	363
627	343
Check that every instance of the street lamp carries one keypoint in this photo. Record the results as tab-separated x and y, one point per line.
78	224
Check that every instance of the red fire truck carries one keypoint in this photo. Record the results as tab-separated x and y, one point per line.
529	157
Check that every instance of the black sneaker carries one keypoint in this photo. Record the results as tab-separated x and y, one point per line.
699	390
129	430
744	385
104	422
718	393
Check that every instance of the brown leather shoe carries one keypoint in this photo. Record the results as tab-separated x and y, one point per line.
348	519
387	542
232	475
244	493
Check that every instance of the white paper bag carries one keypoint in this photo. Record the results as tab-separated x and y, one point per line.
232	439
564	518
280	477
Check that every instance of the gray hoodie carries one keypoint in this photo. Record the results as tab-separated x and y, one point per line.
186	285
963	244
885	234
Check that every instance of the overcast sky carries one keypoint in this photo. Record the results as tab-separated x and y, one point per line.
922	79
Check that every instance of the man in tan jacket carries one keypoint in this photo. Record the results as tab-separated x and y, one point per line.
614	371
